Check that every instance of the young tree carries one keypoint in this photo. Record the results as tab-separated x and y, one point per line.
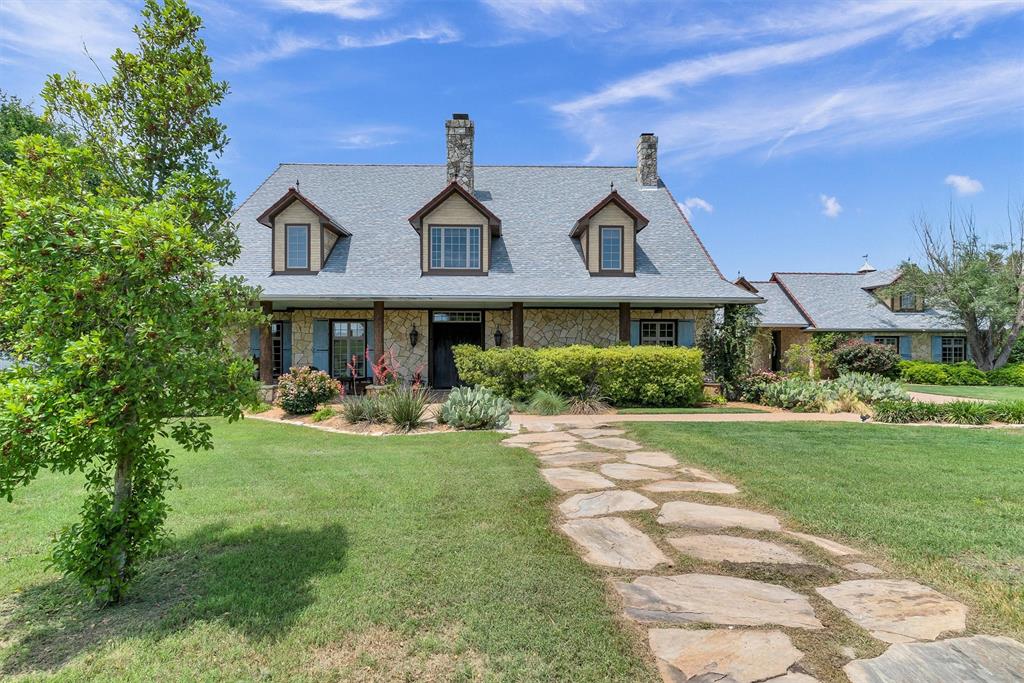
110	296
727	344
151	124
977	284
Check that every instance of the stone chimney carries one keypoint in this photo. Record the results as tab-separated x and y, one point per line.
459	144
647	160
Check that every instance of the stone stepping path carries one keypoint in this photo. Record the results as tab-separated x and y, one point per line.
720	548
897	611
740	656
676	486
979	659
714	599
702	516
570	479
628	472
591	464
613	542
605	503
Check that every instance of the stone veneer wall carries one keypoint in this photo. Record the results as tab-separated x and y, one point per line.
398	323
494	320
565	326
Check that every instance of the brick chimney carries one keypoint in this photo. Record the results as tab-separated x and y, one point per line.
459	144
647	160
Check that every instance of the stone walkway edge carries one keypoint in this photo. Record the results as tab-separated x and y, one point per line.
713	627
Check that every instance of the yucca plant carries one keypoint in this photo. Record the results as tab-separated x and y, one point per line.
404	407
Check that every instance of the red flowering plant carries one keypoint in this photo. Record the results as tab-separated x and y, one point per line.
386	369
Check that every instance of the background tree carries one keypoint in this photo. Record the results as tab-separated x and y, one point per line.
151	124
727	344
17	119
978	284
111	298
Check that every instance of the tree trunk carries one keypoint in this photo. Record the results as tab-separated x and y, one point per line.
122	496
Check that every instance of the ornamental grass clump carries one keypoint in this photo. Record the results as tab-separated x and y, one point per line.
404	406
369	409
547	403
302	390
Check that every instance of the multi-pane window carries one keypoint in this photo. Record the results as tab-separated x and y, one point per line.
457	316
611	248
296	246
658	333
894	342
908	302
954	349
455	247
348	348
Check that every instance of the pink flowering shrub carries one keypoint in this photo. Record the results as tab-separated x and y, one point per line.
301	390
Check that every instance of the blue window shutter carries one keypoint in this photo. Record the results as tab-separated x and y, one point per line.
685	333
254	342
322	345
905	347
936	348
869	338
634	333
371	348
286	347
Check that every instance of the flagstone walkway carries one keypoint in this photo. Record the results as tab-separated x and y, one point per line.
637	513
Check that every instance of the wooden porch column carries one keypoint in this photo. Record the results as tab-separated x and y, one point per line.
624	322
378	330
266	347
517	323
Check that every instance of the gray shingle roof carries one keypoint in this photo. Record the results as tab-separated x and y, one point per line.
778	310
839	302
533	260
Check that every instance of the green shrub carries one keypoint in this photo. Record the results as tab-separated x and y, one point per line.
300	391
1017	354
1007	376
796	360
363	409
325	413
752	386
474	408
860	356
622	375
1010	412
822	348
404	407
547	403
955	412
926	372
511	372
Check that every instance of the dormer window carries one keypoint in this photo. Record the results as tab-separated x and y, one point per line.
908	302
296	247
455	247
611	247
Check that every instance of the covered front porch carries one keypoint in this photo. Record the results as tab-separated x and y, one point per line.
345	339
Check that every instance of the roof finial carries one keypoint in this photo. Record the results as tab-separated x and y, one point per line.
296	184
611	187
867	267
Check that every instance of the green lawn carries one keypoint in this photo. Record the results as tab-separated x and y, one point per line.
300	555
944	505
686	411
991	393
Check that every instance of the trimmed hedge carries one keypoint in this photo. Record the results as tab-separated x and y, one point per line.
868	358
623	375
960	374
954	412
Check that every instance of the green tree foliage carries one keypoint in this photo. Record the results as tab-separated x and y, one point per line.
978	283
728	344
151	124
17	120
111	299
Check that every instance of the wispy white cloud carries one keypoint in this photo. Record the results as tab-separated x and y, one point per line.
964	185
437	33
696	204
368	137
549	17
343	9
830	206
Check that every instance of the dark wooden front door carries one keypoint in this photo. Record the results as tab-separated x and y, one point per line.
776	364
443	336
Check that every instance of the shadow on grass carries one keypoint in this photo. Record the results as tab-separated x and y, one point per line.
256	581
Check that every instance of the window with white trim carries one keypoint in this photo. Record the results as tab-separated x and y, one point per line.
611	247
908	302
658	333
455	247
954	350
296	247
894	342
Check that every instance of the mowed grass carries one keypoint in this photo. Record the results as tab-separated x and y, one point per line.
990	393
944	505
300	555
687	411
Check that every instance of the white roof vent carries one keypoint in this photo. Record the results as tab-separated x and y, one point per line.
867	267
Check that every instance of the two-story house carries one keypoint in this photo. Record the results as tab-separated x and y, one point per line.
356	260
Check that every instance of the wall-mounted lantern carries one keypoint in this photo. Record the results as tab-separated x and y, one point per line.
414	336
498	337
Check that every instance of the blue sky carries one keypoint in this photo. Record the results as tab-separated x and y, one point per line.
800	136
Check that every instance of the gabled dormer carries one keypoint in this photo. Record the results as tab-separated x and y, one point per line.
455	231
303	235
607	235
894	298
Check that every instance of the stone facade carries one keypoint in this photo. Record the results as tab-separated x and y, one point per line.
497	320
565	326
459	144
398	323
647	160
